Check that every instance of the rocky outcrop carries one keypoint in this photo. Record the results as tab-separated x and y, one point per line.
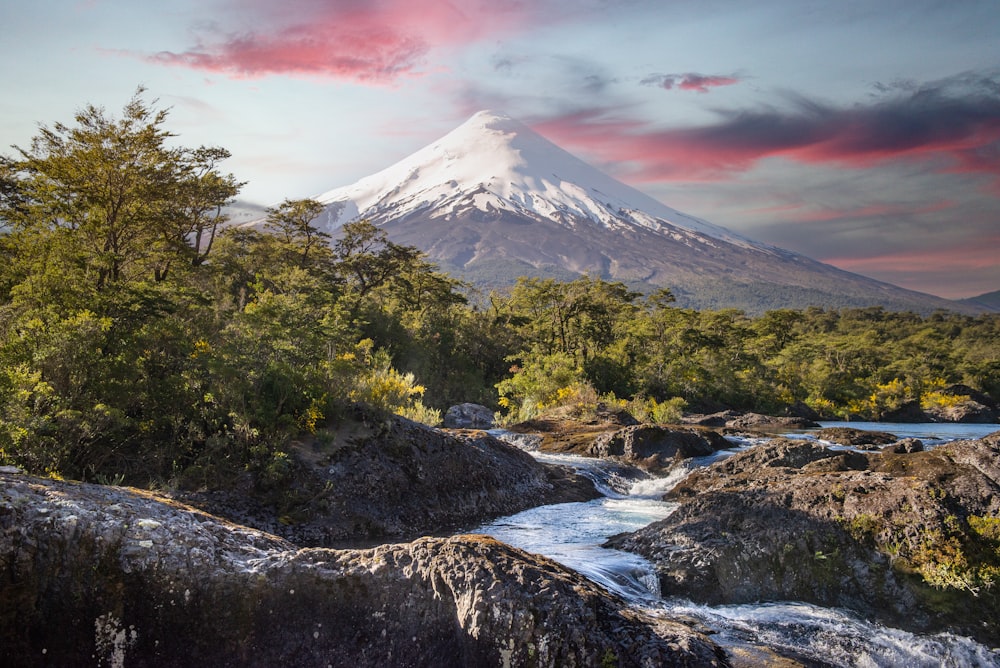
655	447
909	413
109	576
618	436
968	411
969	405
907	445
860	438
912	540
738	420
468	416
769	422
384	479
567	430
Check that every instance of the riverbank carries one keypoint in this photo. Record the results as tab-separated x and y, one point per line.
105	571
812	634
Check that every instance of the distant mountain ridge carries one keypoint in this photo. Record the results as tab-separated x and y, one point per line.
493	199
989	301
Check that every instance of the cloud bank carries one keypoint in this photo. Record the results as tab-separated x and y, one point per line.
372	41
951	126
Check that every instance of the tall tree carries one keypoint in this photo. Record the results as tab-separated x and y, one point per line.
130	202
292	222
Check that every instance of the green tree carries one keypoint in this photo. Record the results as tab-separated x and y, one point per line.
292	222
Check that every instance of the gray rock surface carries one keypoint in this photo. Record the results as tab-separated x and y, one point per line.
856	437
912	540
656	447
393	479
468	416
106	576
619	437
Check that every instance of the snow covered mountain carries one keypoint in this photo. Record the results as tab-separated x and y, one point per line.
493	199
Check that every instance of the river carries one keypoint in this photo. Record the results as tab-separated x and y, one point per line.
572	534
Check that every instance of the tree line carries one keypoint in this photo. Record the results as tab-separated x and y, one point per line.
143	339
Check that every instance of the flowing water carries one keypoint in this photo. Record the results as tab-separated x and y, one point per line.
572	533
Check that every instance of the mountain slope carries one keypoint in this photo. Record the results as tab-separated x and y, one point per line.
493	199
989	301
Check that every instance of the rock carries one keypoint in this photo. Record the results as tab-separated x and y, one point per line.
960	390
563	433
526	442
655	446
802	410
910	413
96	575
394	479
907	445
616	416
969	411
856	437
468	416
704	420
649	448
910	540
769	422
719	419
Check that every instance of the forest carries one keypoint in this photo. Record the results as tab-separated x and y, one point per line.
145	340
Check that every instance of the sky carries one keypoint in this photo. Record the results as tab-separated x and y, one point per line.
861	134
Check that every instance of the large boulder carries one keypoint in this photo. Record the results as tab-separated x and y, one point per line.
912	540
655	447
760	422
618	436
796	418
967	411
108	576
468	416
968	405
389	478
910	412
860	438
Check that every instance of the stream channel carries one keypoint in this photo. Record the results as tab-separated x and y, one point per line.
572	533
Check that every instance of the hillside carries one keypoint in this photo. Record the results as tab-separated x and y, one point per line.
987	302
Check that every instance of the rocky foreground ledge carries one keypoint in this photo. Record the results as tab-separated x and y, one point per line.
111	576
911	539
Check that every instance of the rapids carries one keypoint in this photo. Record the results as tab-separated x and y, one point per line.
572	534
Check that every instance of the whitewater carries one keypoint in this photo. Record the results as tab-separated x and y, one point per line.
572	534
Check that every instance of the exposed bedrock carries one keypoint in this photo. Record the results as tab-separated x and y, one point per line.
109	576
387	478
910	539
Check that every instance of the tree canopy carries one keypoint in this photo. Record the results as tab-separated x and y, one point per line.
144	338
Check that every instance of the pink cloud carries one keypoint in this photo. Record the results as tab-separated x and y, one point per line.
980	255
799	213
700	83
645	153
947	132
374	41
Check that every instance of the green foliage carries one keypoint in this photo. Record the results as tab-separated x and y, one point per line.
541	381
853	363
657	412
382	386
140	340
